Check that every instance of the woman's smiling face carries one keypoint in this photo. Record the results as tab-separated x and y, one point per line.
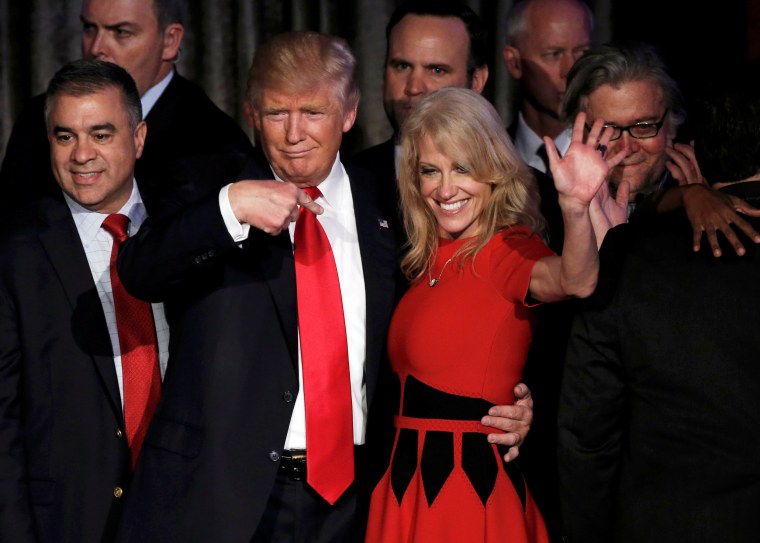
456	199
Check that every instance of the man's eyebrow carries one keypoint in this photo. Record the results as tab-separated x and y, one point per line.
113	26
397	60
93	128
102	126
435	64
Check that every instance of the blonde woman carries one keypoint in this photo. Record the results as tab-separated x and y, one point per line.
459	337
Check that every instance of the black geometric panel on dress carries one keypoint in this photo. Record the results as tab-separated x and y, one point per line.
479	464
437	462
425	402
515	475
404	462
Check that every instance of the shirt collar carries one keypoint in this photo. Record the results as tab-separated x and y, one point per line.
527	141
152	95
88	222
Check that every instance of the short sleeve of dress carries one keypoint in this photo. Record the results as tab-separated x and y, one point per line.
514	252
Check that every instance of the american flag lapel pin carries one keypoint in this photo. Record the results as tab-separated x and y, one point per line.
383	223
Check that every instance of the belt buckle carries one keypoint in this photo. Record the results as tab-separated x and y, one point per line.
293	464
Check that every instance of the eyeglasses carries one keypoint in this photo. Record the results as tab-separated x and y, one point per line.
640	131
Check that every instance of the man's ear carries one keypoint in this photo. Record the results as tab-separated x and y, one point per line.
479	78
173	35
349	118
512	60
141	131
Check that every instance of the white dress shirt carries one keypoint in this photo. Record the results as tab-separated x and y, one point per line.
97	245
527	143
151	96
339	223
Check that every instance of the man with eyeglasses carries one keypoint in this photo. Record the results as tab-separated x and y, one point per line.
659	430
630	88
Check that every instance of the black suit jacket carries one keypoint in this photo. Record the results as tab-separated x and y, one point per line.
187	135
660	406
381	160
63	451
212	452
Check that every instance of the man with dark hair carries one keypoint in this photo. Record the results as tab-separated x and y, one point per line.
144	37
430	44
73	410
659	427
630	87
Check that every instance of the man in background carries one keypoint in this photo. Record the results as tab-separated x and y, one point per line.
544	39
659	427
431	44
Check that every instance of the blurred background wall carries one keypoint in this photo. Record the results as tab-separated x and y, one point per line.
704	44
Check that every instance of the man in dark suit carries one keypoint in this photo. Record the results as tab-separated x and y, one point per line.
430	44
64	444
144	37
224	459
659	427
544	39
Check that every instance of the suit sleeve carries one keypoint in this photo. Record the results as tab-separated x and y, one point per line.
15	509
174	249
591	416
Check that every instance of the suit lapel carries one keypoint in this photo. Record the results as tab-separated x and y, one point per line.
61	242
273	255
379	255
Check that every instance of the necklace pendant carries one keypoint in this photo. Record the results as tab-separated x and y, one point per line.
434	280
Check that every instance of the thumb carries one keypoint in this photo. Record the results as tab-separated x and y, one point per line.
306	201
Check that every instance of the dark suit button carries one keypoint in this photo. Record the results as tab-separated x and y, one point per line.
204	256
198	260
274	456
119	433
118	492
287	396
211	253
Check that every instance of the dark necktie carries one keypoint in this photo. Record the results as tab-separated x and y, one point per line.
324	357
141	376
541	153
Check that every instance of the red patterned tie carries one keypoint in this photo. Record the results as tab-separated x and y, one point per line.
139	353
324	356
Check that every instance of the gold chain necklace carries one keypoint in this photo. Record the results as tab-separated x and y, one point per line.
434	282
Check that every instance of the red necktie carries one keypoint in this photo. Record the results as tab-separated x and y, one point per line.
324	356
139	353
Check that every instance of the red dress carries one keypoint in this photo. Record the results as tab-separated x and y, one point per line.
458	348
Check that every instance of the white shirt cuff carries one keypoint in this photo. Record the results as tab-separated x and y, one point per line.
238	231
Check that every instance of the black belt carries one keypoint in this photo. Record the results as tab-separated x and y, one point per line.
293	462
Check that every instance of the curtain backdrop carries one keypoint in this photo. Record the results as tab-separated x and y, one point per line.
38	36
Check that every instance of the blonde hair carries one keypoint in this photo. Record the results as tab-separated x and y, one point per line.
465	127
300	61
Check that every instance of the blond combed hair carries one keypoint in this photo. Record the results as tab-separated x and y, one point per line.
466	128
302	61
